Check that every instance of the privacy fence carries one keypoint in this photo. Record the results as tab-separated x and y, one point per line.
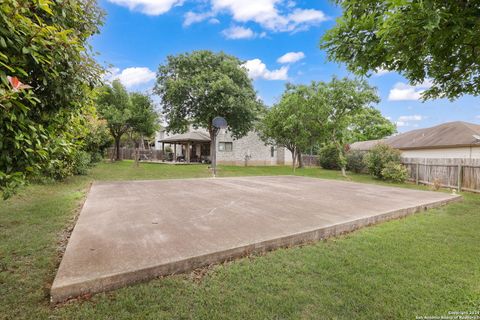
310	160
461	174
145	154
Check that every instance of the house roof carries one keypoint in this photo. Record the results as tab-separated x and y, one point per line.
365	145
446	135
192	136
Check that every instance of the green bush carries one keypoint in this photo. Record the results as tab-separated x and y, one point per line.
82	163
395	172
377	158
355	161
328	157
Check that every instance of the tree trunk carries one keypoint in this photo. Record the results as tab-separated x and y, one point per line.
117	148
344	172
294	158
300	160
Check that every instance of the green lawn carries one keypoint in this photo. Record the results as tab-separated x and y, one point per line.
426	264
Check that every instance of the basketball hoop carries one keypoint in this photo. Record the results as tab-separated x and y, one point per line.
219	122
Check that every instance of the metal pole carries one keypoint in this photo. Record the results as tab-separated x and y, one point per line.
214	155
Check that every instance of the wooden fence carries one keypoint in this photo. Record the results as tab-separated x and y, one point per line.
145	154
461	174
310	160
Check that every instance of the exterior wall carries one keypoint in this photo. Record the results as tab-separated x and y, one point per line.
445	153
250	146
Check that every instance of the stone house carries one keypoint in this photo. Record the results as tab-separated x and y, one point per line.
194	146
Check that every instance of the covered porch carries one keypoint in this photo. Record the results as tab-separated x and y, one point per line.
190	147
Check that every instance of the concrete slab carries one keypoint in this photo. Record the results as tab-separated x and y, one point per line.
137	230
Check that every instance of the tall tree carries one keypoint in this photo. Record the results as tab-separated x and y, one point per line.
115	107
322	112
199	86
345	98
296	122
44	44
421	39
144	121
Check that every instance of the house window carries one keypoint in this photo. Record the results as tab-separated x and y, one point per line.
225	146
272	151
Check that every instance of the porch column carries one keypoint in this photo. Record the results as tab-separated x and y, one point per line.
163	151
188	152
174	152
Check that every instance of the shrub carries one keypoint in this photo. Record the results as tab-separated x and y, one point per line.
377	158
82	163
395	172
328	157
355	161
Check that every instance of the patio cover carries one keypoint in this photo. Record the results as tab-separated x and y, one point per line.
193	136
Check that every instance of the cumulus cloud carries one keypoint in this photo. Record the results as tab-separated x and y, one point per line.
401	124
237	32
268	15
149	7
291	57
258	70
402	91
131	77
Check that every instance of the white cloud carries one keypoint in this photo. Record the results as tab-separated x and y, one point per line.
402	91
257	69
149	7
268	15
236	32
131	77
415	117
291	57
381	72
214	21
401	124
274	15
299	16
192	17
478	117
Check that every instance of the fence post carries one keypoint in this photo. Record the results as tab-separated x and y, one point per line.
417	171
459	178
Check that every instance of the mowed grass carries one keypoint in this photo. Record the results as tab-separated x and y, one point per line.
424	265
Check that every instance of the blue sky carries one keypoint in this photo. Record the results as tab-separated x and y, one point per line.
278	40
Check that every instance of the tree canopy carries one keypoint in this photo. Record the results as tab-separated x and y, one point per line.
369	124
46	74
198	86
421	39
322	112
126	112
291	122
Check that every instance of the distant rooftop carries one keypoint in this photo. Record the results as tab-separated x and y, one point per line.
446	135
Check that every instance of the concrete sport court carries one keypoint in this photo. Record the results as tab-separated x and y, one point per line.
136	230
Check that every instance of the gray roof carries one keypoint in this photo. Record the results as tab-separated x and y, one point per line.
446	135
365	145
192	136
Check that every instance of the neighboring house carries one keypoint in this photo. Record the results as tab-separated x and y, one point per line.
446	141
194	146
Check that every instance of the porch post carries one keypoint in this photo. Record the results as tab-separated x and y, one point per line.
174	152
163	151
188	152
